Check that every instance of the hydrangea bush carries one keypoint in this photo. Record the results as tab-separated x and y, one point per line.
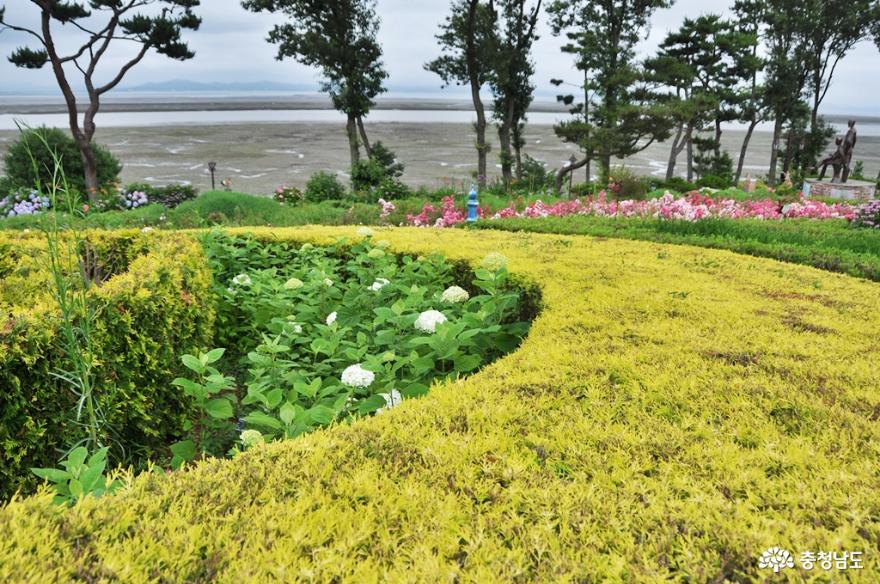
323	335
23	202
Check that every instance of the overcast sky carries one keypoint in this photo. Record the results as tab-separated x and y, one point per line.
231	47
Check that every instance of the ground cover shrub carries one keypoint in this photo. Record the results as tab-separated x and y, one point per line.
827	245
320	335
149	301
673	413
324	186
31	161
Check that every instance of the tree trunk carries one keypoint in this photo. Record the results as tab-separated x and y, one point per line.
786	164
517	149
774	149
364	139
90	165
560	174
744	150
353	146
690	157
674	152
473	69
506	155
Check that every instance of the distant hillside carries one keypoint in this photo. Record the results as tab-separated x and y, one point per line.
185	85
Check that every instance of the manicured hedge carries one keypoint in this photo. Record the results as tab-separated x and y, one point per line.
153	308
673	413
832	245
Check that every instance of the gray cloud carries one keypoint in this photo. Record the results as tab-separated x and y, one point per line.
231	47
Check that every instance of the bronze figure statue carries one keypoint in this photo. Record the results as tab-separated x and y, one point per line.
841	160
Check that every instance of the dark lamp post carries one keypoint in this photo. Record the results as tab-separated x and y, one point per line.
212	166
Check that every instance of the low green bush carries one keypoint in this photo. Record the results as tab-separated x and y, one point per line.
151	308
38	149
324	186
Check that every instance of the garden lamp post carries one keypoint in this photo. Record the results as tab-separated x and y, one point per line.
472	205
212	166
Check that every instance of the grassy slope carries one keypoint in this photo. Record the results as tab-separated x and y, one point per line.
829	245
673	413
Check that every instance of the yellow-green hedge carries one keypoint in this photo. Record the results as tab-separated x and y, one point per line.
154	307
673	413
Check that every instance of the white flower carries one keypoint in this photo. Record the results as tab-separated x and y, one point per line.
293	284
251	438
331	318
391	400
455	294
146	230
356	376
328	282
428	320
378	284
494	262
242	280
365	232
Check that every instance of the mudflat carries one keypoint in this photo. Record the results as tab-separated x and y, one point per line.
258	157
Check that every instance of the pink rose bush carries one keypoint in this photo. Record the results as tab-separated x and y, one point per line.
694	206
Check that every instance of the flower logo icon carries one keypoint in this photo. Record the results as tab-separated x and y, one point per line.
776	558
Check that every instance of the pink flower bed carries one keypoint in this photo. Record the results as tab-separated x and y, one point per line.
692	207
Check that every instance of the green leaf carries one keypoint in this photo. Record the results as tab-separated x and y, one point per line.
56	475
371	404
321	415
189	387
76	488
214	355
89	479
75	460
219	408
264	420
286	413
274	397
192	363
414	390
466	363
185	450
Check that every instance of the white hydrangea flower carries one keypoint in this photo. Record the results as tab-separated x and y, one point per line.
428	321
242	280
146	230
455	294
251	438
331	318
328	282
494	262
378	284
365	232
293	284
383	244
356	376
391	400
376	254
